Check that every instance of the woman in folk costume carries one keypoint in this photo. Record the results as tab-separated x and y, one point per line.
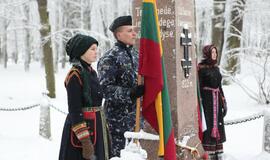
213	101
84	135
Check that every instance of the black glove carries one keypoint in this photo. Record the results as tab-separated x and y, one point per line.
224	108
137	92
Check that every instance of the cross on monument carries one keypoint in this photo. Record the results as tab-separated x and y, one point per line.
185	40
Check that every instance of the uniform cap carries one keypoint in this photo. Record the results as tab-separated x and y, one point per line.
120	21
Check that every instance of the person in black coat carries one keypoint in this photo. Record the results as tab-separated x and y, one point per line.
85	134
213	101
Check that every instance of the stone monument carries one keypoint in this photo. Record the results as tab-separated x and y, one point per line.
177	24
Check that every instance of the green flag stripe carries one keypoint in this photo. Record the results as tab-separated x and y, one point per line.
149	31
167	122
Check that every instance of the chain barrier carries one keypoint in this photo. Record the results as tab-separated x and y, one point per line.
57	109
229	122
31	107
20	109
245	119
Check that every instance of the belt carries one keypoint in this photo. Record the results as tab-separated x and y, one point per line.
215	94
91	109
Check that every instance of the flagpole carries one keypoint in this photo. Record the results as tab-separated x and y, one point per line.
138	107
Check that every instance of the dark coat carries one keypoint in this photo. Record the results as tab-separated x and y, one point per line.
76	101
118	74
210	76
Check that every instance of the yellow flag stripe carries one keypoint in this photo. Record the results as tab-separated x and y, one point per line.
149	1
158	29
158	105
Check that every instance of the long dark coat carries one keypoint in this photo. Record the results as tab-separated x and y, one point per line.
210	76
76	101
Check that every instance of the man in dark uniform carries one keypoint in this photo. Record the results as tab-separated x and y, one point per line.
118	78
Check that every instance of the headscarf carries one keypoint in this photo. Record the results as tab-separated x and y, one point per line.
207	54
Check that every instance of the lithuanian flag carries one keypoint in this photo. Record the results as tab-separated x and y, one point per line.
156	100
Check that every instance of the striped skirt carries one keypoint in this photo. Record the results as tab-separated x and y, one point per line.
214	151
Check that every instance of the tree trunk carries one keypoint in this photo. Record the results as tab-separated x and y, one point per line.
87	14
203	25
3	32
45	129
27	58
4	45
115	3
47	50
103	13
3	37
61	51
15	54
234	42
218	22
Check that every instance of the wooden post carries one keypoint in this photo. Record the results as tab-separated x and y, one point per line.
138	107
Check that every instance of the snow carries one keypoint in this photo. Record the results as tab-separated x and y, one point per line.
19	134
141	135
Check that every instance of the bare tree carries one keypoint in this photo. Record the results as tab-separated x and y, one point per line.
3	34
61	51
218	21
115	6
104	16
235	32
204	10
47	50
20	25
49	70
87	9
254	51
27	58
258	70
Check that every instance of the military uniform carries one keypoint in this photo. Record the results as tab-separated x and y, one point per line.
118	75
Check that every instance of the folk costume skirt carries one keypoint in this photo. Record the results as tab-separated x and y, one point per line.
70	146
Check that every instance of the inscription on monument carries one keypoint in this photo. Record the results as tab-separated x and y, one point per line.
185	15
185	83
166	21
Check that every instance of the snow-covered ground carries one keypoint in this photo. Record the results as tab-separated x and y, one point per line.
19	133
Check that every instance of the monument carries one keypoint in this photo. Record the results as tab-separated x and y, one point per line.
177	24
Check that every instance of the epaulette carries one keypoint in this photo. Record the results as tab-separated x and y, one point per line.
73	71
